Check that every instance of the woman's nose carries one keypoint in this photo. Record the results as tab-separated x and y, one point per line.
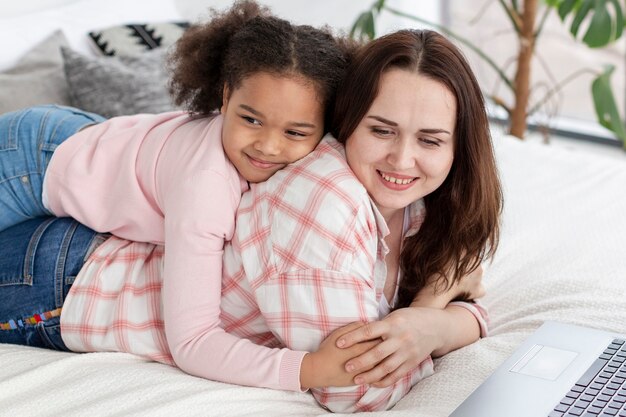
402	154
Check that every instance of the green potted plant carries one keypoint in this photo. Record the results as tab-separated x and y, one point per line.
603	21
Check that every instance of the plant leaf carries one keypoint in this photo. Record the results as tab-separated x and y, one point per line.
379	5
599	31
604	18
565	7
619	19
370	26
580	15
605	105
364	28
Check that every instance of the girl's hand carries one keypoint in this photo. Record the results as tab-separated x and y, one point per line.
408	335
326	366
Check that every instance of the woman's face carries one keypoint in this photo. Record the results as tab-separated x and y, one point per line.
403	148
270	121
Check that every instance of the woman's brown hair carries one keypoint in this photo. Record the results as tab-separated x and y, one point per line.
461	226
247	39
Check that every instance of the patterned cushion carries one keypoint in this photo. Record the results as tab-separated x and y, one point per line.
115	86
133	39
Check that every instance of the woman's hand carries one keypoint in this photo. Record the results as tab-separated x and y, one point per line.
326	366
411	334
408	335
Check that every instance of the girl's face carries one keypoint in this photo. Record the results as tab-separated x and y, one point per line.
403	148
269	122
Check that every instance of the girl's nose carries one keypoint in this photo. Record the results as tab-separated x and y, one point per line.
270	144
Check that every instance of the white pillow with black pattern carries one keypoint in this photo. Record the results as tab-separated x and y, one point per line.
133	39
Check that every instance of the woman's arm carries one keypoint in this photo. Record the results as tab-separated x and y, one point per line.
430	326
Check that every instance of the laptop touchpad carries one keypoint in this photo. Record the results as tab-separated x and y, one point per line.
544	362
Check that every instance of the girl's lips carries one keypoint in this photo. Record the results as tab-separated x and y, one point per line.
262	164
396	182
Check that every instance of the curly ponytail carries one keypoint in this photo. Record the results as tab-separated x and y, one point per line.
247	39
196	63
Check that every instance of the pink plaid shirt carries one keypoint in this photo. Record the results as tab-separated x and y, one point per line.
307	257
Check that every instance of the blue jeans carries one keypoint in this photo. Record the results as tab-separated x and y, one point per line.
27	140
40	259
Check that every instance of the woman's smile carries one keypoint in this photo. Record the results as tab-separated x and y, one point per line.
396	181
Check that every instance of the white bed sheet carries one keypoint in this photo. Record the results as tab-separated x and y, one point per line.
562	257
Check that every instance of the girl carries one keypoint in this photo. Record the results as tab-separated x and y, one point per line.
176	178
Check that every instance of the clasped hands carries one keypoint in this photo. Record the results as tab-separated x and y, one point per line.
379	353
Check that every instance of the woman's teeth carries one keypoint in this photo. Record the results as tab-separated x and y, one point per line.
396	180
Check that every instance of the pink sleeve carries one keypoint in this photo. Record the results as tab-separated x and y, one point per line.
480	313
195	231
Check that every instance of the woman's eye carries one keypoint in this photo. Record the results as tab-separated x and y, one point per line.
382	132
251	120
429	142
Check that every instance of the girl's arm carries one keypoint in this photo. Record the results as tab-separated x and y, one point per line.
191	305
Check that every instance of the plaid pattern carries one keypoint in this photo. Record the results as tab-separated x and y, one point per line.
115	302
307	257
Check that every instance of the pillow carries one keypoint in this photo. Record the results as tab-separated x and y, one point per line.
26	26
132	39
115	86
37	78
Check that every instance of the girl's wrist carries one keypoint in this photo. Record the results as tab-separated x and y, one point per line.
307	372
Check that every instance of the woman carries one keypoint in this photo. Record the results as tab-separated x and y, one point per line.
357	256
457	172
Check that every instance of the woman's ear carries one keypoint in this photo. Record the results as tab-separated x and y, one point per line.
225	98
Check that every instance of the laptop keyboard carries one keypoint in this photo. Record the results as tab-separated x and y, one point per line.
601	391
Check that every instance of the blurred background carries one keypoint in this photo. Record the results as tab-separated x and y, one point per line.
563	67
559	58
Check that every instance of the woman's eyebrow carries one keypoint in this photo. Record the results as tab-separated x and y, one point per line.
390	123
433	131
382	120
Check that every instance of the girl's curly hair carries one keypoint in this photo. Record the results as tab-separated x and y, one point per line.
248	39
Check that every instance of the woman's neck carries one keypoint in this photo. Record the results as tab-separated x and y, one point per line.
391	215
395	223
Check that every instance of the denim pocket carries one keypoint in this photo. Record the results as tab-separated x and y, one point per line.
19	245
13	268
8	135
50	333
8	142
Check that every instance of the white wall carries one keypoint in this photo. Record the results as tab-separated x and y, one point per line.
340	14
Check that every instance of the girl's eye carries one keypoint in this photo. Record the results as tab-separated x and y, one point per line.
251	120
295	133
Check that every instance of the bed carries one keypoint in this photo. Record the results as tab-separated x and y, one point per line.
561	258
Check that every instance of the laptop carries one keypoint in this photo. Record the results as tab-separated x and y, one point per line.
561	370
